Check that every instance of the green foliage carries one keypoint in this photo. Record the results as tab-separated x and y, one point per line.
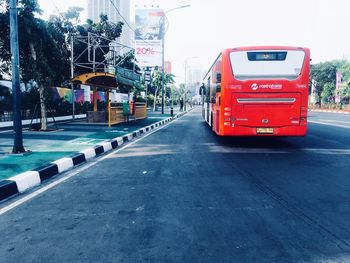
328	92
42	51
107	30
157	81
325	75
45	45
5	54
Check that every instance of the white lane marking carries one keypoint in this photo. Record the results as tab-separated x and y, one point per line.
327	151
330	124
6	131
11	130
279	151
344	122
74	173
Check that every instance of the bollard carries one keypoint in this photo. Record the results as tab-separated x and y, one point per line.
171	111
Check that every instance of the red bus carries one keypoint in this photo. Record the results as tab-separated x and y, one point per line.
258	91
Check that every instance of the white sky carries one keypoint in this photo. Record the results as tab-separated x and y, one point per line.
209	26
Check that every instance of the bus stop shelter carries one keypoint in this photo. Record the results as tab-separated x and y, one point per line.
114	112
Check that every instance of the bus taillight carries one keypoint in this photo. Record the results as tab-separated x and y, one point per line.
303	116
303	121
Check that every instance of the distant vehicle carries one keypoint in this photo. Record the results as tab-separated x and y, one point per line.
258	91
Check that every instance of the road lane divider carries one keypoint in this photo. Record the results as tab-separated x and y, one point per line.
78	159
20	183
7	188
89	153
26	180
107	146
47	171
64	164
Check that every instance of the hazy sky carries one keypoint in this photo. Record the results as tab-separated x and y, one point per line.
208	26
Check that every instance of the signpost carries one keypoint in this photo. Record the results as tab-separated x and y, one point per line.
127	77
147	76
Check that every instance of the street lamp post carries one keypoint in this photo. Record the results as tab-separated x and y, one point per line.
163	36
16	89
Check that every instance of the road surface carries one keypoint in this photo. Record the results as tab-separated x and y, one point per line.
183	194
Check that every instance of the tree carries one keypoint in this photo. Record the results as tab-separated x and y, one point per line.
345	88
107	32
325	75
328	92
157	84
42	50
5	54
45	45
104	32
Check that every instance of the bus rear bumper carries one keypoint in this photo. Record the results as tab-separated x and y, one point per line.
298	131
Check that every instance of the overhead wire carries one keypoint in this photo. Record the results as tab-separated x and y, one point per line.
57	9
115	7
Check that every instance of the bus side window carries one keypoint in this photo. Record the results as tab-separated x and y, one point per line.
213	93
218	77
207	89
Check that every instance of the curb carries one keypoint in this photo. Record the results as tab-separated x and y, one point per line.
330	111
22	182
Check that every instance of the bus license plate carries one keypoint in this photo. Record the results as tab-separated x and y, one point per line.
264	130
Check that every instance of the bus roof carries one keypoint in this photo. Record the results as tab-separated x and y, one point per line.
265	48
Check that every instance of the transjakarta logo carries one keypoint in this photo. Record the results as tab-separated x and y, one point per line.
255	86
266	86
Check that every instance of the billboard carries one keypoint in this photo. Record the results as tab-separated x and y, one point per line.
148	37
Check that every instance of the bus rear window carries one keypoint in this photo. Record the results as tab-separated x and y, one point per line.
270	56
267	64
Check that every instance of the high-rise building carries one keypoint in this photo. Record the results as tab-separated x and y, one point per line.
195	78
110	8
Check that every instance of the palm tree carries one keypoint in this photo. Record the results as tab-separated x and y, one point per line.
157	83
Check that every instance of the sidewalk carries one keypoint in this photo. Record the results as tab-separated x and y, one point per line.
70	138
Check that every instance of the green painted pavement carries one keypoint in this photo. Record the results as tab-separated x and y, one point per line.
12	165
48	147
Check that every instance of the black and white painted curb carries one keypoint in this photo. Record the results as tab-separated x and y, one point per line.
20	183
329	111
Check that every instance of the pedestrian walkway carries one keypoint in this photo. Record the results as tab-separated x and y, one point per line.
71	137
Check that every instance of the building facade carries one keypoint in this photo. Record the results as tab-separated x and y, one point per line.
97	7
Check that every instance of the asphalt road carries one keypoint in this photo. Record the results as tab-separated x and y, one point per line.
183	194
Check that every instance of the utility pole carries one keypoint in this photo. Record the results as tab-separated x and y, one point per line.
185	96
72	74
163	35
16	89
